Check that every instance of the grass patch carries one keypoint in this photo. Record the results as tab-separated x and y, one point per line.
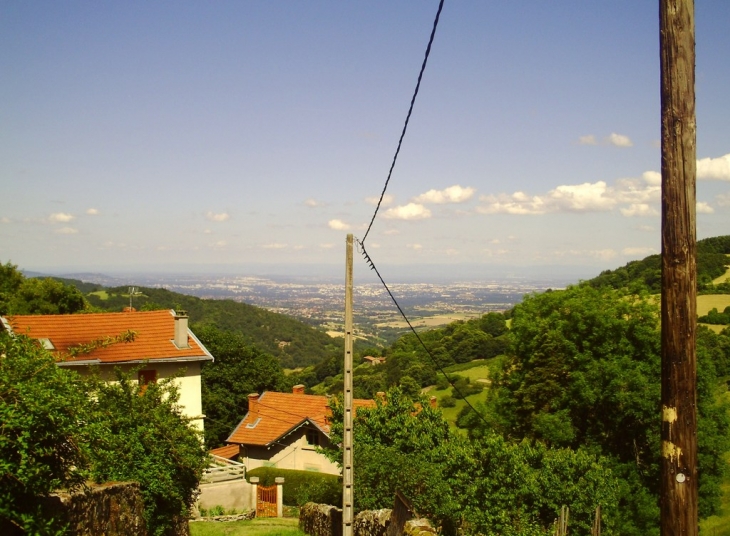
466	366
101	294
705	302
255	527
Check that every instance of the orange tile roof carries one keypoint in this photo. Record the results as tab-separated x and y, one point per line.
153	340
229	451
274	415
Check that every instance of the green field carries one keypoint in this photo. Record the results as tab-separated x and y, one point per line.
256	527
475	371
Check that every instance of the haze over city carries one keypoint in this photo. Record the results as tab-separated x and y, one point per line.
254	135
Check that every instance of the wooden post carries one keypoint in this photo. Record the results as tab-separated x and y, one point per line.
679	272
347	475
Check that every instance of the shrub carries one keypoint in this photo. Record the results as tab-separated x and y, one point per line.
301	487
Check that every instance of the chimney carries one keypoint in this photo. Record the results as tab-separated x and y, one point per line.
181	329
253	405
298	389
434	402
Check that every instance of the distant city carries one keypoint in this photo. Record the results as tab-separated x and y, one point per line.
321	302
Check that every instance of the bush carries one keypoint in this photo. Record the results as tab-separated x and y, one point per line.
301	487
41	445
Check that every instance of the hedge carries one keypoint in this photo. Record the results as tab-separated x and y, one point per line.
301	487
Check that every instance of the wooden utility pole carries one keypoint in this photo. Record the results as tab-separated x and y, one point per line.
347	476
679	272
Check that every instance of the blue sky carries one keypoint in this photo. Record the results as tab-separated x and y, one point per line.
160	135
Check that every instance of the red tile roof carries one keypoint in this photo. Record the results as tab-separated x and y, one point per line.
274	415
229	451
154	332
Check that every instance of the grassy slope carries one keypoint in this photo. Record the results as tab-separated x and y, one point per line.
720	525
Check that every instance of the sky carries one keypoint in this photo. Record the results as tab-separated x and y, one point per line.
226	135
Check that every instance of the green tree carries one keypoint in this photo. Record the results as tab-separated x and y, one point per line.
584	372
239	369
46	297
42	444
10	281
139	433
488	487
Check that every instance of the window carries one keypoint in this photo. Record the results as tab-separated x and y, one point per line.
312	437
146	377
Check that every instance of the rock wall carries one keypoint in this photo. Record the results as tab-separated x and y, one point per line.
325	520
371	523
320	520
112	509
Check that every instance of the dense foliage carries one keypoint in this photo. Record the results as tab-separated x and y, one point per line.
59	430
488	486
238	370
140	434
409	366
645	274
23	296
42	447
584	372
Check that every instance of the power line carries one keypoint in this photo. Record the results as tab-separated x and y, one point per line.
433	359
408	117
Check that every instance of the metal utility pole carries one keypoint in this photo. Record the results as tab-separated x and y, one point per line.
347	476
679	272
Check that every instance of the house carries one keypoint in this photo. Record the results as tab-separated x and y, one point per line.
374	360
157	344
283	430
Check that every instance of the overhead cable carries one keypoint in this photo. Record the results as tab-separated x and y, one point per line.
408	117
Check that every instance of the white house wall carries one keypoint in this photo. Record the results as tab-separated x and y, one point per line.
188	383
294	453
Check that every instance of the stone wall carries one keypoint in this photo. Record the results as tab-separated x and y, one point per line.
325	520
320	520
111	509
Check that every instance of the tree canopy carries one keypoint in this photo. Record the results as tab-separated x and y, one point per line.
60	429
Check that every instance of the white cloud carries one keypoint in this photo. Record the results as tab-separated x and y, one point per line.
414	246
219	244
274	245
61	217
391	232
223	216
411	211
654	178
207	231
619	140
5	219
313	203
338	225
586	197
645	228
92	212
704	208
326	246
66	230
723	199
714	168
387	200
638	252
639	209
452	194
590	139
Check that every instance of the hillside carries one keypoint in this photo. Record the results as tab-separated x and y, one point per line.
712	261
292	342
